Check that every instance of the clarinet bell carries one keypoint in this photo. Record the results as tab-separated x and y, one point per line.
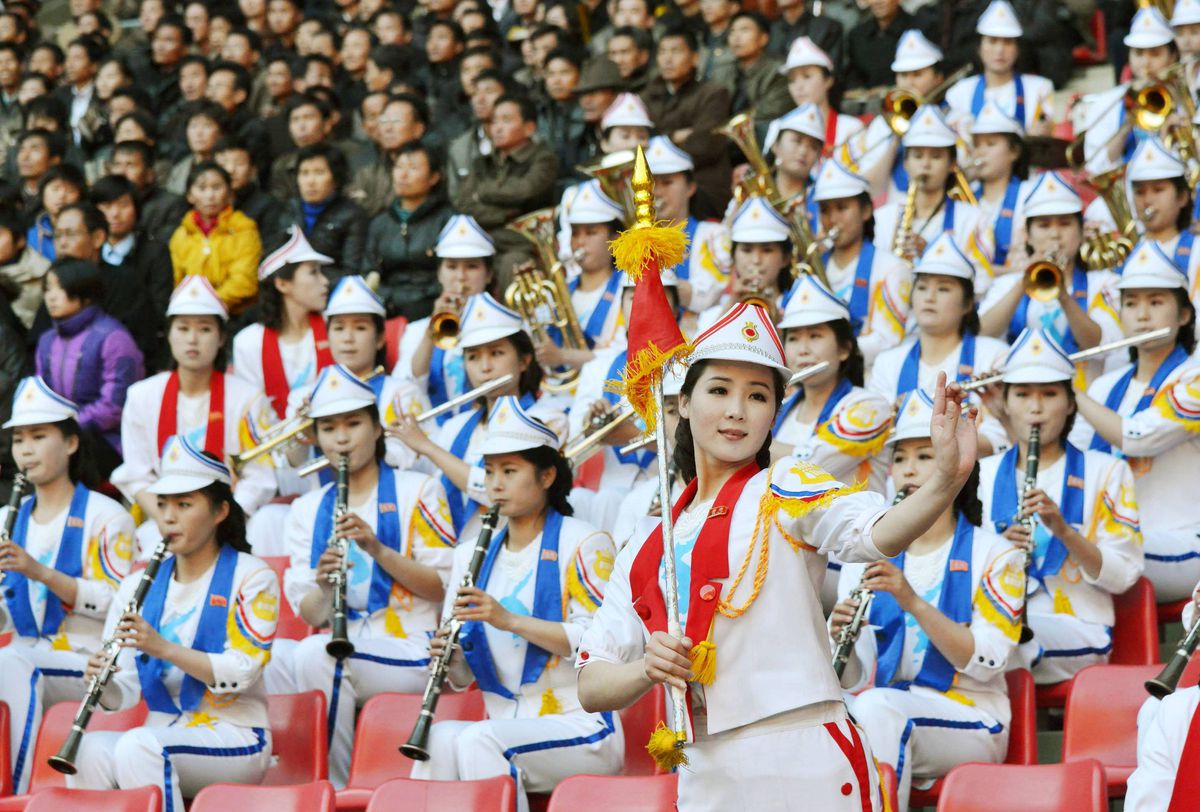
417	745
1167	680
339	647
64	760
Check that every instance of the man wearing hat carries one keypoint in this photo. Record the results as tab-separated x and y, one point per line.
599	85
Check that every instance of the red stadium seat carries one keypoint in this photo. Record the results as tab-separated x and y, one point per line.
1172	612
489	795
5	639
1101	719
297	739
58	799
638	722
290	626
1085	56
1074	787
315	797
5	756
384	724
629	793
57	721
14	804
394	330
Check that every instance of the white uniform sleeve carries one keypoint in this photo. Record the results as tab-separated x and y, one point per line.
887	313
109	557
432	530
616	634
587	578
250	631
1172	418
138	438
1115	531
400	397
996	608
247	356
410	341
814	509
1160	749
256	483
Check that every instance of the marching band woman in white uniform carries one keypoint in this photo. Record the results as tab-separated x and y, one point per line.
1162	203
542	580
1001	166
196	650
943	624
70	549
762	254
1086	543
400	553
812	79
755	699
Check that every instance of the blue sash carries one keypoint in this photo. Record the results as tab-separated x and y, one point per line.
1183	251
860	291
1004	222
547	605
377	382
840	391
438	393
899	174
948	217
1137	136
210	632
1079	289
594	328
1005	505
912	365
977	98
387	529
614	374
463	507
1117	393
69	562
683	269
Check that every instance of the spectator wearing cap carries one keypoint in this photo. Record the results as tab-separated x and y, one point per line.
405	118
159	210
758	84
21	268
235	157
631	49
797	20
488	87
334	225
598	87
560	122
871	45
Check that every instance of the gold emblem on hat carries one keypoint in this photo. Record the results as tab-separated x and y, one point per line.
750	331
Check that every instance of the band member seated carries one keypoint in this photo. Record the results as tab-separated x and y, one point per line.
998	168
194	651
1162	202
943	623
541	583
399	544
1086	545
812	79
762	255
797	140
69	551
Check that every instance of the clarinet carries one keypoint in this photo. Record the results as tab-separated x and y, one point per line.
339	644
1030	482
1168	679
417	745
64	759
14	502
848	636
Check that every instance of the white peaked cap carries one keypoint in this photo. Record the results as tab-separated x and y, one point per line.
807	119
591	205
1148	267
627	110
510	428
485	320
992	119
758	221
1052	194
1153	161
665	158
668	277
673	380
835	182
463	238
929	129
1149	29
744	333
297	249
999	20
1036	357
195	296
913	417
339	391
354	296
36	403
805	52
1187	12
943	257
812	303
186	469
914	52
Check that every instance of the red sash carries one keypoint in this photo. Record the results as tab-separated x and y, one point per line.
831	122
710	561
1186	794
214	437
275	380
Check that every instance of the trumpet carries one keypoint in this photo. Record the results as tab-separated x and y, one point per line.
1043	279
1167	680
339	644
581	449
445	327
14	502
1032	459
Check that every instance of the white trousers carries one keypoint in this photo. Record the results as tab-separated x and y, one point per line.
538	753
802	760
1172	562
182	760
32	679
377	665
925	734
1061	647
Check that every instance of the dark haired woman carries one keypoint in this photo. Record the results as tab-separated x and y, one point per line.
753	536
1162	202
942	626
947	340
1148	411
88	356
335	225
70	549
194	652
1086	542
998	167
540	584
811	78
196	400
399	554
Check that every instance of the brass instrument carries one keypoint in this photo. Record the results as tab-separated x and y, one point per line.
417	746
760	182
64	760
1032	459
581	449
339	645
902	237
1167	680
14	502
962	191
1043	280
445	327
615	173
899	106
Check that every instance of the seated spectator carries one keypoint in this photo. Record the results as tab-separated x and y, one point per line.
235	157
204	126
797	20
758	85
871	45
159	211
37	151
21	266
334	225
404	119
60	186
488	87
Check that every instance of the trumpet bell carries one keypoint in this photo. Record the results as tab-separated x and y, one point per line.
1043	281
445	328
1152	105
899	106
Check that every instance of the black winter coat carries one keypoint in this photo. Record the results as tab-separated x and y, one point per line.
339	232
402	253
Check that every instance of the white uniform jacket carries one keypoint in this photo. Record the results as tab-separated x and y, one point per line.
888	290
299	359
849	445
589	388
1160	749
1038	91
972	233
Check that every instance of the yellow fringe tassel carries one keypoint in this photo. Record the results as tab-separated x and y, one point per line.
636	385
550	703
664	244
704	662
664	749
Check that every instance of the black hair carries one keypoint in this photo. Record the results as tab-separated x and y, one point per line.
545	458
333	158
420	110
149	127
380	330
14	223
496	75
392	58
113	187
432	155
233	143
34	76
232	531
241	76
307	99
46	107
1186	337
139	148
680	31
530	381
524	104
853	368
319	59
783	278
252	38
685	450
967	502
453	27
230	13
13	49
566	54
384	11
67	173
203	108
93	219
1020	167
46	45
175	21
970	319
759	20
195	59
201	167
92	46
221	361
79	279
1071	401
642	40
1183	221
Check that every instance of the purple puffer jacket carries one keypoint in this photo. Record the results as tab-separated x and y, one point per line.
91	359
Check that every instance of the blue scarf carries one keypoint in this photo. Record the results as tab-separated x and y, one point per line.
1005	505
312	211
463	507
594	329
69	562
682	270
614	374
547	605
912	365
1183	251
210	632
438	393
860	292
1079	289
387	529
948	217
978	100
1117	393
954	602
1003	228
840	391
